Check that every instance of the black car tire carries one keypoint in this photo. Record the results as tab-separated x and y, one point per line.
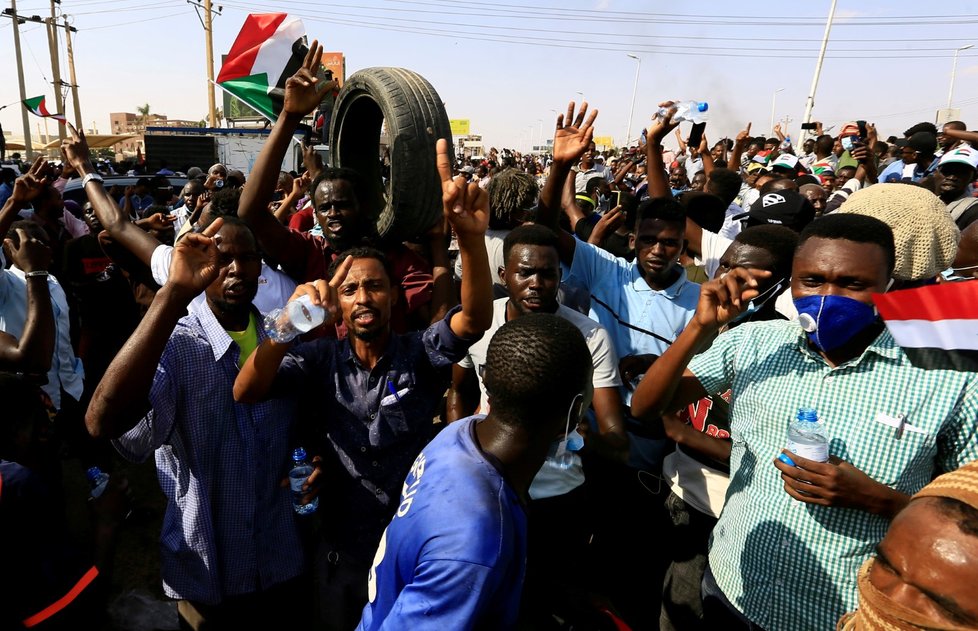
415	119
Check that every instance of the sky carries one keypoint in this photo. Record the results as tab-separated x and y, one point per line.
507	66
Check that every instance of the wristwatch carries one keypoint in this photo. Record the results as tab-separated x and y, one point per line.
91	177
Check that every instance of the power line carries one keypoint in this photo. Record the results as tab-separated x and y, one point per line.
561	42
660	19
159	17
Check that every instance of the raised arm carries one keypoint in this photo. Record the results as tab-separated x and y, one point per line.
287	206
303	92
668	384
122	397
656	169
570	143
463	394
33	351
740	145
706	156
26	188
74	150
256	377
466	206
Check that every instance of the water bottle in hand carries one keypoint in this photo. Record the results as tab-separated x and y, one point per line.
807	438
301	470
298	317
97	480
692	111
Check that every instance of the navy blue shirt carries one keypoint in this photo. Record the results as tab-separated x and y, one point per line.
454	554
371	435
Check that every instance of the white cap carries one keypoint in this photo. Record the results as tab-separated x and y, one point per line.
963	154
786	160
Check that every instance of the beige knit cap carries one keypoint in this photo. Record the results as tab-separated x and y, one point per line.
925	236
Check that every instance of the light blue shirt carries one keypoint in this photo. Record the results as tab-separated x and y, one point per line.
66	370
620	285
619	296
897	170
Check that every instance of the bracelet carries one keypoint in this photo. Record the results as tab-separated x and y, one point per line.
34	274
92	177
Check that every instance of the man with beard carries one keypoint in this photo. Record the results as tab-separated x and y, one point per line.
230	547
343	207
376	391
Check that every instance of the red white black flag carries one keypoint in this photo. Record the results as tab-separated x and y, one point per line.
936	325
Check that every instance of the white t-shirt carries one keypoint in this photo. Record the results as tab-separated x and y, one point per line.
494	248
702	487
551	482
274	287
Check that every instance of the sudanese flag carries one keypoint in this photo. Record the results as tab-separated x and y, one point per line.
38	107
936	325
269	49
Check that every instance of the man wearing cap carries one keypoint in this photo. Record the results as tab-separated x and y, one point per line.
918	160
956	172
785	164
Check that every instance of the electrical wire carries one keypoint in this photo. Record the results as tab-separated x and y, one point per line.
561	42
678	19
159	17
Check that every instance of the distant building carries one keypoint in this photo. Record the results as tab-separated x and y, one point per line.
129	123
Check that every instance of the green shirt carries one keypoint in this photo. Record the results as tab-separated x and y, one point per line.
790	565
246	340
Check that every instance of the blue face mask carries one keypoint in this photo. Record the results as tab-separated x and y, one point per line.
831	321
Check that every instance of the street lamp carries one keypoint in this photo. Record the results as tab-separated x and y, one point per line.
774	101
954	68
631	110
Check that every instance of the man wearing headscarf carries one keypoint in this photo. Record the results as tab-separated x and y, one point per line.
925	574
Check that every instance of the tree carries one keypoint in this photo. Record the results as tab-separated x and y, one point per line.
143	114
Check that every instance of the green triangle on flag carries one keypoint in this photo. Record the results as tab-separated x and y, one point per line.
252	90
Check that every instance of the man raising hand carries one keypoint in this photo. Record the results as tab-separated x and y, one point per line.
376	391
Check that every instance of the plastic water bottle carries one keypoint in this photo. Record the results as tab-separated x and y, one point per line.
806	436
561	454
298	317
97	480
297	477
692	111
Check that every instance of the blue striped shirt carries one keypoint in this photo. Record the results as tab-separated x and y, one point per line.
229	527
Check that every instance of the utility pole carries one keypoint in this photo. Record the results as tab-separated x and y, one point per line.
28	149
209	36
56	65
207	21
810	104
71	73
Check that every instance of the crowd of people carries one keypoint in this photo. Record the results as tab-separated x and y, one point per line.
565	406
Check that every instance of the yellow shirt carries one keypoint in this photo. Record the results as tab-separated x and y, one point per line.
246	340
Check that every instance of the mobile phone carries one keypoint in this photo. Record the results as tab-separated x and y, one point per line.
696	135
615	198
809	126
862	130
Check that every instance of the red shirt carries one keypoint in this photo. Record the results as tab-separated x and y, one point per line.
302	220
308	258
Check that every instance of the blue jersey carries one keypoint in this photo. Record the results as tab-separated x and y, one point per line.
454	554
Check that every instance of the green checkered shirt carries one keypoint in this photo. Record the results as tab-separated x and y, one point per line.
790	565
